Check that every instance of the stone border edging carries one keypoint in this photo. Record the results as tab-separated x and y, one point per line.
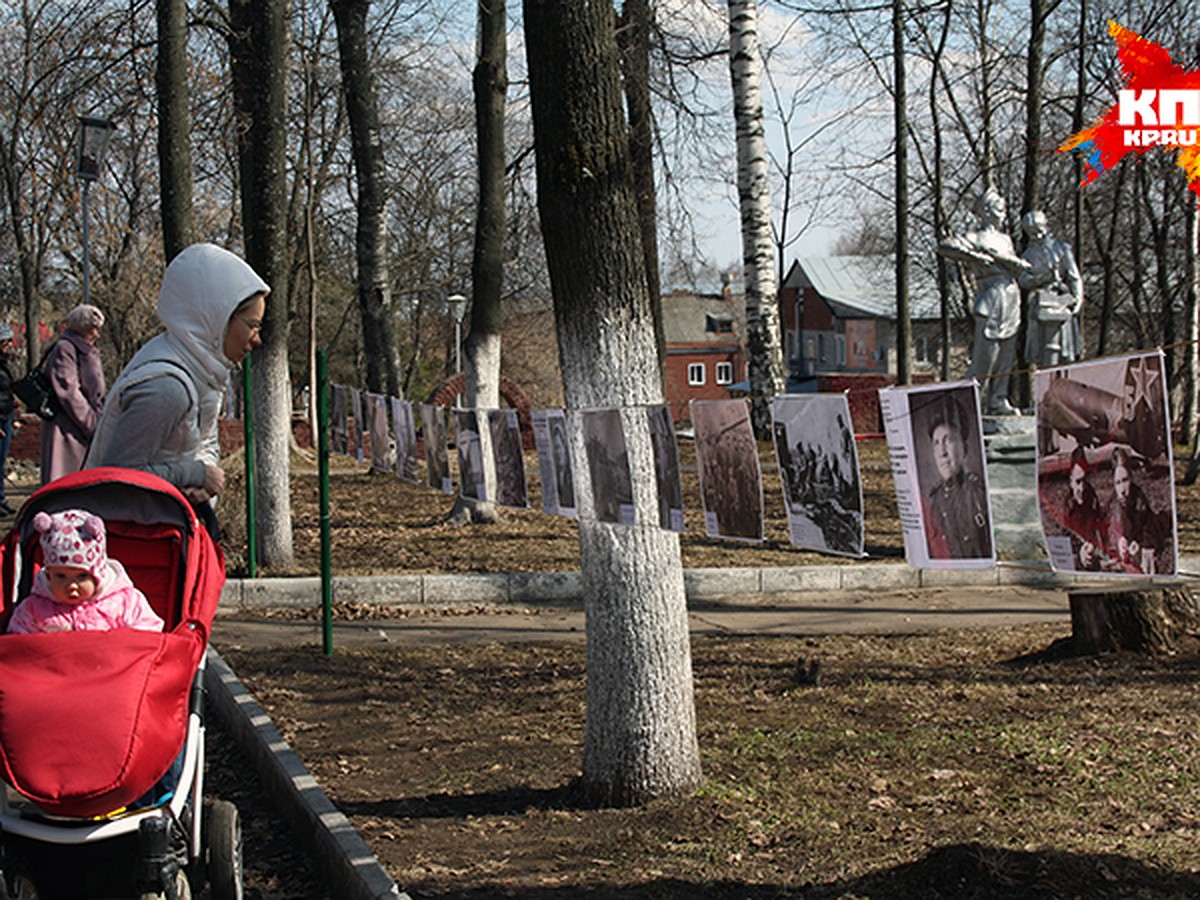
342	857
564	589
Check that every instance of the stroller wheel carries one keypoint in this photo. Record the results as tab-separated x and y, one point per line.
183	889
22	889
223	835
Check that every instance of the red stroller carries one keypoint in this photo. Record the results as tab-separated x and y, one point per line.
91	721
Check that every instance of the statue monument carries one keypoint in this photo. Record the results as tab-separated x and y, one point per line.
988	254
1055	293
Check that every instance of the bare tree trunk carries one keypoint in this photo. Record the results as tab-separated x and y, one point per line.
758	248
259	49
900	107
640	738
1077	158
374	283
174	128
634	41
1031	178
1191	381
483	347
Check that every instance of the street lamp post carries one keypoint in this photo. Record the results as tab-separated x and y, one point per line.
458	308
93	141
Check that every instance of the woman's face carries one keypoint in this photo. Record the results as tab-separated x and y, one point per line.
244	331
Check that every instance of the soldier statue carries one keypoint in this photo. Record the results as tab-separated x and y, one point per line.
989	255
1055	293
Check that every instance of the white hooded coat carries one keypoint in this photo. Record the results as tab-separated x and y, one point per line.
161	413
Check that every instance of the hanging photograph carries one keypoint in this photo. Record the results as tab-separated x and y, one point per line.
818	470
472	481
554	462
608	465
407	465
730	476
509	457
381	444
339	439
1105	474
356	416
435	425
666	467
935	442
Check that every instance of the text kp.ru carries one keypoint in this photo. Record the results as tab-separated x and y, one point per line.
1159	117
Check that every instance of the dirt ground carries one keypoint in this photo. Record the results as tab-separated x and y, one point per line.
938	765
954	764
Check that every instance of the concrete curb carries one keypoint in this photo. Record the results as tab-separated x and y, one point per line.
344	860
564	589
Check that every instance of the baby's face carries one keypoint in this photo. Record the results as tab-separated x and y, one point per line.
70	584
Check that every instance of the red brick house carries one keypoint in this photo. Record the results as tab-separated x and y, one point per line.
706	354
838	314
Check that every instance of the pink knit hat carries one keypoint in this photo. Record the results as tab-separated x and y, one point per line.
73	537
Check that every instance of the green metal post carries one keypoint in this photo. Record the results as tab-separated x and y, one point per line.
323	488
248	442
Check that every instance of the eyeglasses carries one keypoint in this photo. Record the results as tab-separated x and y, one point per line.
254	327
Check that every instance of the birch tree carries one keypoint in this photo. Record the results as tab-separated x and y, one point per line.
640	736
754	200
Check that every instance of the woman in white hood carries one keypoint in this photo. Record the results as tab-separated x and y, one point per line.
161	413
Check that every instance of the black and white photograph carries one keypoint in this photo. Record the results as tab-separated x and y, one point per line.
608	465
407	464
509	457
339	439
1106	486
935	441
382	459
730	474
356	416
666	467
435	426
818	471
554	462
472	480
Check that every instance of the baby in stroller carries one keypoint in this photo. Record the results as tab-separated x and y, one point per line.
78	587
101	696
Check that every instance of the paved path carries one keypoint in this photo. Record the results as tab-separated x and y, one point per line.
828	612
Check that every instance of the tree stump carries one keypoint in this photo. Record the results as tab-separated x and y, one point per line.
1142	619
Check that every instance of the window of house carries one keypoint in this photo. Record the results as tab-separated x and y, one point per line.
719	324
695	374
821	347
724	373
923	350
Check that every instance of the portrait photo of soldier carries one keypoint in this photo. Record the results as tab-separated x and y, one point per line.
947	438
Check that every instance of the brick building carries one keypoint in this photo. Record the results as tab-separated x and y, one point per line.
706	346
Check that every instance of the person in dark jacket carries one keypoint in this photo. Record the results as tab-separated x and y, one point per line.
8	412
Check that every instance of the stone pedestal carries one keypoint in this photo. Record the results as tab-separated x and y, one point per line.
1010	448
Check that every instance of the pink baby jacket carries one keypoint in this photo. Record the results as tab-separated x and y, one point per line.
116	604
